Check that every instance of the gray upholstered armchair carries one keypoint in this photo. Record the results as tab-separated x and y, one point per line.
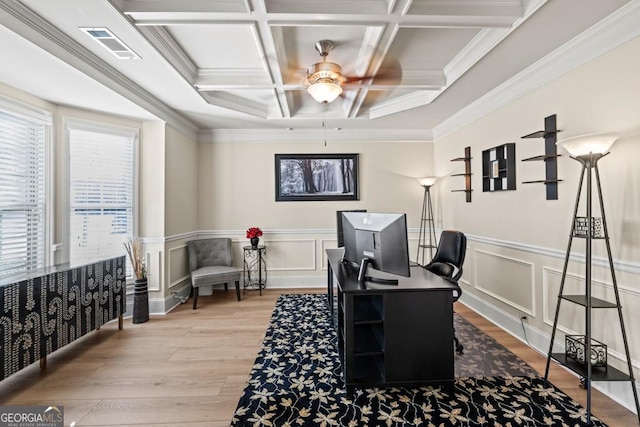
211	263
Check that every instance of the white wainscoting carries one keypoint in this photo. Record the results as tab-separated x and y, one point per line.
493	279
503	278
178	265
291	254
153	260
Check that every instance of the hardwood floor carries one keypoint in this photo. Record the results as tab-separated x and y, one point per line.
189	367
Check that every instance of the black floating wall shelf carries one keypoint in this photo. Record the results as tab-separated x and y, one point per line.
550	156
467	172
499	168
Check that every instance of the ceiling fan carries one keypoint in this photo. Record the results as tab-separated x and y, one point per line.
324	80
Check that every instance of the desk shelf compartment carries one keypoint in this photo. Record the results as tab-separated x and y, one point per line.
369	369
467	173
550	157
365	341
369	339
368	308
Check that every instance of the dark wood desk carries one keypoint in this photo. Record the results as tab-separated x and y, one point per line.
392	335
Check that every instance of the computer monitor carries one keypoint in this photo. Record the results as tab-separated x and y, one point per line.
376	240
339	224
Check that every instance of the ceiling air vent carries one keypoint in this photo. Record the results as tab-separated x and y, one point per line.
110	42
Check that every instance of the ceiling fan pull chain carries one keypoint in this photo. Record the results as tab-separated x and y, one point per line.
324	126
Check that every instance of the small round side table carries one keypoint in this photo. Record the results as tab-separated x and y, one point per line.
255	267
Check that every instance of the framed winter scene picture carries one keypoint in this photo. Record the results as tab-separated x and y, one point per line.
320	177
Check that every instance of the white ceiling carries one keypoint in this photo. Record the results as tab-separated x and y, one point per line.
232	67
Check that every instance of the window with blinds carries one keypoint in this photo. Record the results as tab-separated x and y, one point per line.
23	183
101	191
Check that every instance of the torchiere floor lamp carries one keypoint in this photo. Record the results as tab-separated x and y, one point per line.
427	236
583	355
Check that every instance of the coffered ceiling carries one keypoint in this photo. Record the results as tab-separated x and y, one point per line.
231	67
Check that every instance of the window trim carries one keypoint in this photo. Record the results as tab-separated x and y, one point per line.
69	124
28	111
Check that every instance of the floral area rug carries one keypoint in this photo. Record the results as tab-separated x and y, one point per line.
485	357
297	381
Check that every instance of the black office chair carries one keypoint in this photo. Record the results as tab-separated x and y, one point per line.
447	262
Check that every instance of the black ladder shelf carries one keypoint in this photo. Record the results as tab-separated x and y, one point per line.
582	361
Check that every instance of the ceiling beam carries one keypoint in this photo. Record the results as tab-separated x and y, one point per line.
32	27
235	103
403	103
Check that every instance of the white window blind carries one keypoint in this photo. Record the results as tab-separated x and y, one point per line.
23	183
101	192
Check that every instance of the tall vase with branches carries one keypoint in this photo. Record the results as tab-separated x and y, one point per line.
141	294
134	249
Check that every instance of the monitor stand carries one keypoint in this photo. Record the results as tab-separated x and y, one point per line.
362	275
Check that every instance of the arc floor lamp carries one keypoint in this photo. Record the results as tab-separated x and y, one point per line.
583	355
427	236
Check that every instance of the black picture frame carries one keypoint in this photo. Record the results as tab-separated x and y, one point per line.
316	177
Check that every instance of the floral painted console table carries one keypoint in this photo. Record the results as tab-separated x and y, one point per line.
45	309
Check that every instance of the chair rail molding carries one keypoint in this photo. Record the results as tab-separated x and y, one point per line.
620	265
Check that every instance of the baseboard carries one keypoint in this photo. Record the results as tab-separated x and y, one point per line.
180	294
620	392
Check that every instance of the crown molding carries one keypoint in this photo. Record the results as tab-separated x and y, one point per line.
235	103
173	53
312	135
483	43
29	25
227	78
143	7
611	32
402	103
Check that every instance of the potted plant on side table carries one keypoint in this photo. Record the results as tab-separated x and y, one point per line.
254	234
140	289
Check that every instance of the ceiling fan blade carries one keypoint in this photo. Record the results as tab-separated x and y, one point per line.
389	74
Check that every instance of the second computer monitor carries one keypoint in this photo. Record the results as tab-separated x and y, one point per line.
339	224
378	238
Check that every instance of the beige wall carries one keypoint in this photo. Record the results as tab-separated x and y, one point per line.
237	191
181	183
151	178
237	184
517	238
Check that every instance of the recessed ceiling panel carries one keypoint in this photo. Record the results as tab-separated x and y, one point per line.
249	57
328	6
209	46
430	48
488	11
299	43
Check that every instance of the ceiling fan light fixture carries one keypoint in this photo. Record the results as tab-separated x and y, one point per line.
324	91
324	79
